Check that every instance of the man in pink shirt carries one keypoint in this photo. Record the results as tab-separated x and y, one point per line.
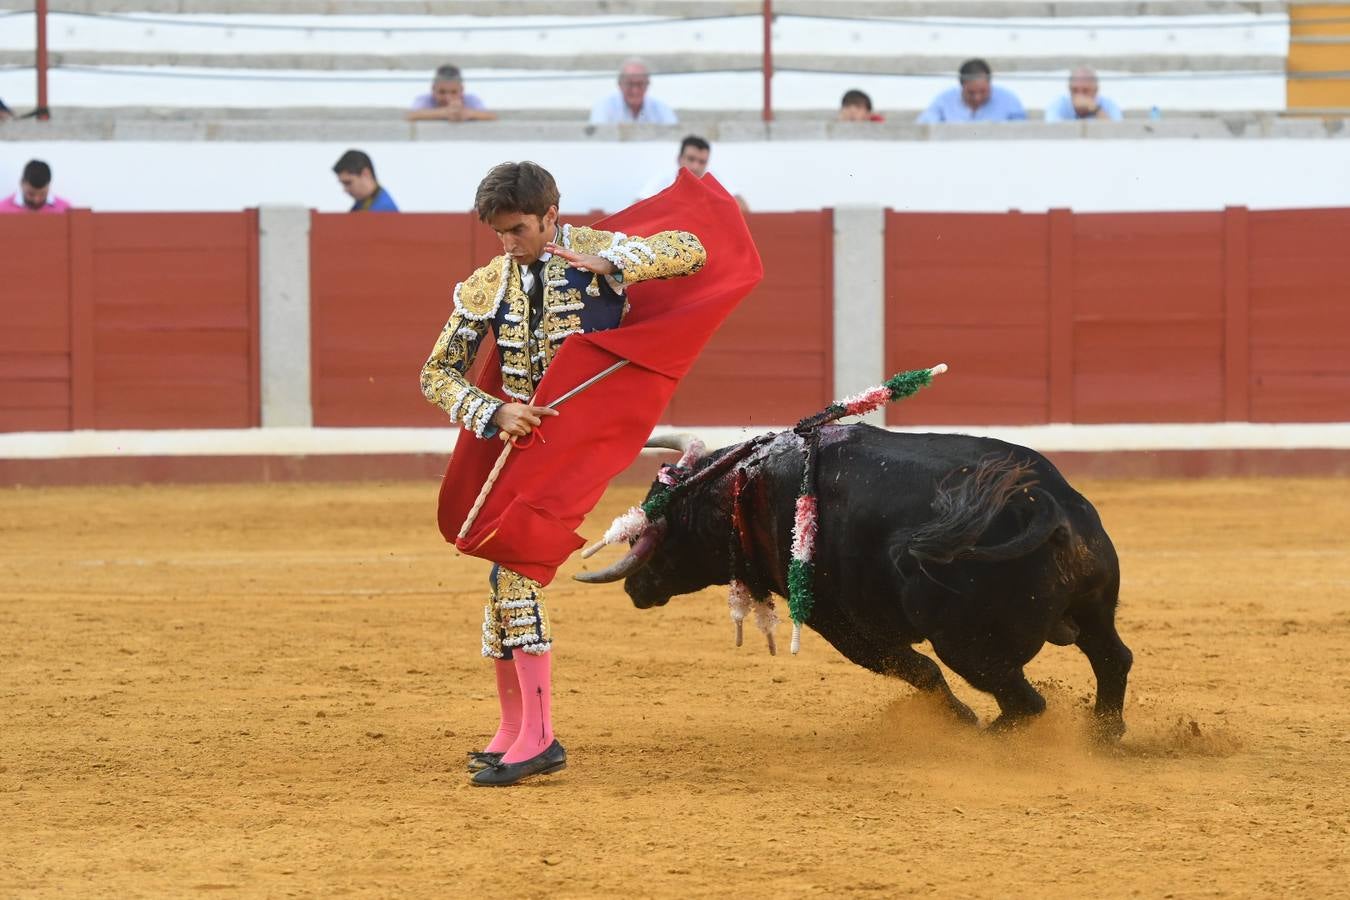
35	192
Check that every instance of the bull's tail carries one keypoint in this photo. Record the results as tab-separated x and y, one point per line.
966	504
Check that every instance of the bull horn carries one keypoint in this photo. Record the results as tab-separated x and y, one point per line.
636	558
679	441
690	448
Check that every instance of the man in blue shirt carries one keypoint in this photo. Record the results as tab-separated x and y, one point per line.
976	100
1083	101
357	174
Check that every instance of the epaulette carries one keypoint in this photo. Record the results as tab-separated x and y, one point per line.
479	295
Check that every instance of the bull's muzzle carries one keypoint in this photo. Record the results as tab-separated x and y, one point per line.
636	558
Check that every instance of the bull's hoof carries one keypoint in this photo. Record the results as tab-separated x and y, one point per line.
1006	723
964	714
1108	729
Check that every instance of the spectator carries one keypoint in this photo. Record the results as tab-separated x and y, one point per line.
448	101
857	107
631	103
1083	101
35	192
976	100
694	154
357	174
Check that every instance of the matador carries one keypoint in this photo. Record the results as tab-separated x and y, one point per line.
552	281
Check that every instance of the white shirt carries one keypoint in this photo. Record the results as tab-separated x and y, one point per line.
527	277
613	111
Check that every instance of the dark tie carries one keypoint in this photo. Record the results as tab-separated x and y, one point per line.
536	291
536	295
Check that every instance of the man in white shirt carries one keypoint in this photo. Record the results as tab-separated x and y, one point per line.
631	103
694	155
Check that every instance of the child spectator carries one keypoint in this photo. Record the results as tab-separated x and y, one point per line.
857	107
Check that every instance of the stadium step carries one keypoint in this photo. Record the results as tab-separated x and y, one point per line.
660	63
1318	79
982	9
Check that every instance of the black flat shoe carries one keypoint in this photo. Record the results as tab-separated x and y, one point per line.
481	759
554	759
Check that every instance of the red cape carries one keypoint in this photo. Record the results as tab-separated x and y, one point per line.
529	521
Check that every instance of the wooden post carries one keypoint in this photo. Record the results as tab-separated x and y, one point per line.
1060	314
1237	317
80	234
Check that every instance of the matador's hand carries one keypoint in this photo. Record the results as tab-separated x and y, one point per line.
586	262
519	419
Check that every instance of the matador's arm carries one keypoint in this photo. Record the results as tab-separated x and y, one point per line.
668	254
443	376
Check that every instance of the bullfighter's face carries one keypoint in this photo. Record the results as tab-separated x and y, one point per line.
523	235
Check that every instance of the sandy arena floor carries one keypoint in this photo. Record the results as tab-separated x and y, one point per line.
268	691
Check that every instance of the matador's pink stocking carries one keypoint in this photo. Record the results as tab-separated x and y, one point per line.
535	673
508	697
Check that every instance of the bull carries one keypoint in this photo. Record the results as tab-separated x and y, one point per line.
978	546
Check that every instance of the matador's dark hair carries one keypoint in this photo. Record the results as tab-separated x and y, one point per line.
512	187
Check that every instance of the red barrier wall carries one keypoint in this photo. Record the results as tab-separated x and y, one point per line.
130	321
1140	317
381	286
1298	296
969	290
35	335
772	361
150	320
380	292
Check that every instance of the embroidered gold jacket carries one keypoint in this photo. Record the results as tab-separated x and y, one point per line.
574	302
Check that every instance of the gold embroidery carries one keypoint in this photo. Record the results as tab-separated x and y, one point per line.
480	293
668	254
515	617
443	381
589	240
569	324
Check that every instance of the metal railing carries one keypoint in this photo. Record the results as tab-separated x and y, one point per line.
767	67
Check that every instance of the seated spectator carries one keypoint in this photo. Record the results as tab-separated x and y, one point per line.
976	100
694	155
631	103
1083	101
35	192
357	174
448	101
857	107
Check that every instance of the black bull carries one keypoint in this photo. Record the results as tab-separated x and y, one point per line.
978	546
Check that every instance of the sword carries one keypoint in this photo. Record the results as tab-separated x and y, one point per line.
514	442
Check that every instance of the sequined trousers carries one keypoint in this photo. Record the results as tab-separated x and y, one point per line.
514	617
